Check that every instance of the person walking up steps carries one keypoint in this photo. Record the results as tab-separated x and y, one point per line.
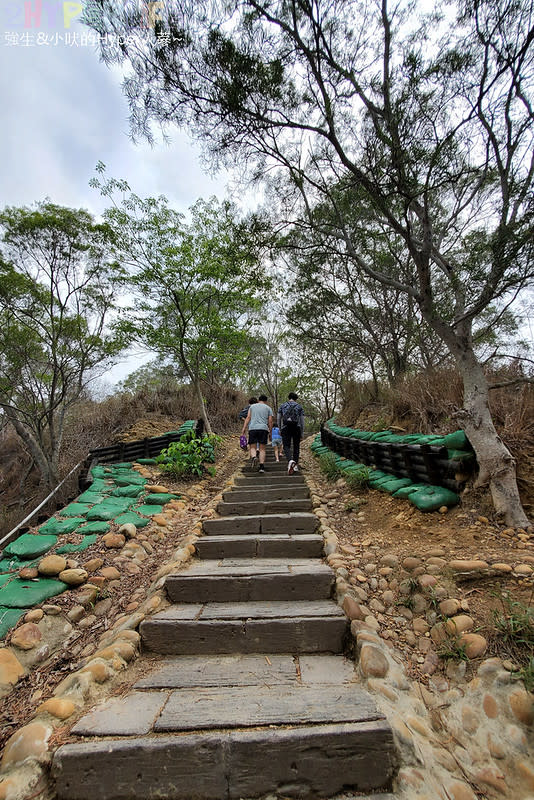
290	419
260	424
276	442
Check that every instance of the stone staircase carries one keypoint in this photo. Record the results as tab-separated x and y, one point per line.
253	695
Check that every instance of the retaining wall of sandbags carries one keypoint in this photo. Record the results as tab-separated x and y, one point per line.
429	470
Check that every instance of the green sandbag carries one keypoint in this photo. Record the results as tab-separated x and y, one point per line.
12	565
149	511
457	441
146	461
91	498
24	594
132	490
378	474
99	485
75	548
5	578
30	545
377	483
130	480
160	498
433	497
9	618
132	518
122	465
404	492
99	471
97	526
392	486
107	510
74	509
57	527
460	455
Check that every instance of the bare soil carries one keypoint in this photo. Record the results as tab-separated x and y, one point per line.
391	525
394	526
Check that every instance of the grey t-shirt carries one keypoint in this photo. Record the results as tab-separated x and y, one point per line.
259	417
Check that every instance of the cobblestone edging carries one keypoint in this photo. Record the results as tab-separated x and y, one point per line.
24	767
457	740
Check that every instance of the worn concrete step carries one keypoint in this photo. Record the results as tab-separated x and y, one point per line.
302	761
255	479
270	468
140	713
293	523
277	545
258	579
262	669
280	627
263	507
266	494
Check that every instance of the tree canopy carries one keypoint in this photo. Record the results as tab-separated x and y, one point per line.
423	118
56	298
195	283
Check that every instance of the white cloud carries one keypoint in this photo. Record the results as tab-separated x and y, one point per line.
63	112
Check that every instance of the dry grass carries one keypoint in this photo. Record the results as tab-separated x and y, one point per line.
94	424
427	402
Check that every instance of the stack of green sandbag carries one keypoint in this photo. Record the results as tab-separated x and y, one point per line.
424	496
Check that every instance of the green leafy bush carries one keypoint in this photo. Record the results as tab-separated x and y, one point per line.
188	457
328	465
358	479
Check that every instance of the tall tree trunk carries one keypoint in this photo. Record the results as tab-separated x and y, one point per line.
496	463
48	473
203	412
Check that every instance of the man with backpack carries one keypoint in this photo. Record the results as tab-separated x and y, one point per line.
290	420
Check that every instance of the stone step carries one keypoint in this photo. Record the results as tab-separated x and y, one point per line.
277	545
255	479
317	626
212	707
266	493
302	761
263	669
263	507
257	579
294	523
270	468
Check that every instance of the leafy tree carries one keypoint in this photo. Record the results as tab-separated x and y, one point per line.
152	376
56	294
429	116
196	285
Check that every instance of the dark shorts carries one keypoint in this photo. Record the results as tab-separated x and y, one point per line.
258	437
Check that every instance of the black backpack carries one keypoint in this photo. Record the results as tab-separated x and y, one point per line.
290	414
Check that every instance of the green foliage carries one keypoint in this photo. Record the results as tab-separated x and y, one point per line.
526	674
328	465
58	287
451	649
196	282
359	479
514	624
188	457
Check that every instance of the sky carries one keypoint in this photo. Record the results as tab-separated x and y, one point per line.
63	111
